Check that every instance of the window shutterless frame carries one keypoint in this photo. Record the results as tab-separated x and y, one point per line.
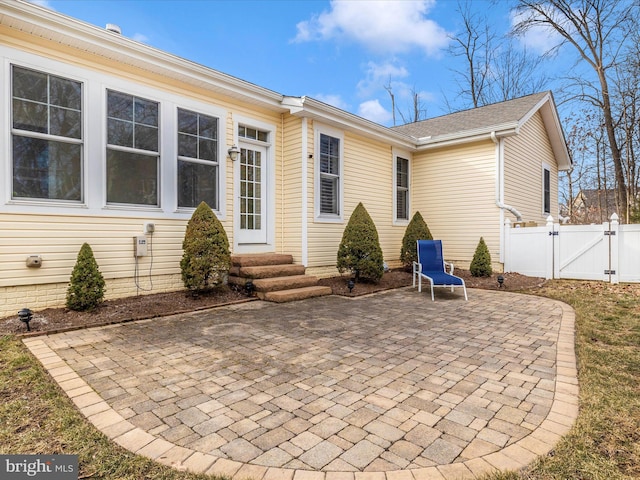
133	150
47	138
329	164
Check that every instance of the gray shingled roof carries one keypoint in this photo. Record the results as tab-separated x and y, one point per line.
479	118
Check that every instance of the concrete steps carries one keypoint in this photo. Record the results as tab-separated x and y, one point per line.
275	277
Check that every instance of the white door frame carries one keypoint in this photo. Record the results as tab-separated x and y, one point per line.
243	243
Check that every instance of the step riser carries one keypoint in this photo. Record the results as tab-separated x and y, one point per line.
292	295
269	271
257	260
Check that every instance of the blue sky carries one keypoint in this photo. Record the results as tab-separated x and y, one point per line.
339	52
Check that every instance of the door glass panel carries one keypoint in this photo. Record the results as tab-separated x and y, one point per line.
250	189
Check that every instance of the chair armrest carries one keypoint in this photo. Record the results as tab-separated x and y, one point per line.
416	267
451	267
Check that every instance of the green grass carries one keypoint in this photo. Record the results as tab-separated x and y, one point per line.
605	440
36	417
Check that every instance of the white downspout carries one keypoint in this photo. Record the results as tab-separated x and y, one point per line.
500	192
500	179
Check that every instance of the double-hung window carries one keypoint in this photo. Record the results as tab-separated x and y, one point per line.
46	136
133	152
197	159
329	175
546	190
402	188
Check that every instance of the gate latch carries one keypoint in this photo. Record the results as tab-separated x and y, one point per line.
609	232
609	272
555	234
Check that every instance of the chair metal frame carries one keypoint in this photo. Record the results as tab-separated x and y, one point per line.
434	269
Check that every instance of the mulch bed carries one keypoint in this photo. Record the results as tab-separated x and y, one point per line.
141	307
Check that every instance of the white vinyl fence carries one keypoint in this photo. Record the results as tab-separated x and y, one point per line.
609	252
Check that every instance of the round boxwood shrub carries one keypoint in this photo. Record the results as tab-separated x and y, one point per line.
360	251
86	287
481	263
206	259
416	230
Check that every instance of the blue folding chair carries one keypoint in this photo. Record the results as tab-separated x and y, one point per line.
431	265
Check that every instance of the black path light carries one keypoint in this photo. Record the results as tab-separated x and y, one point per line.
500	281
26	315
250	288
351	284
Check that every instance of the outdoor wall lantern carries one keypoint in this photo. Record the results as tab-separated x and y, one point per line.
233	152
26	315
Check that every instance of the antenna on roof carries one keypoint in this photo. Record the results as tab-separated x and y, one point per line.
112	27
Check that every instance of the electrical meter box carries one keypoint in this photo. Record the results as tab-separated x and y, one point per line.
140	246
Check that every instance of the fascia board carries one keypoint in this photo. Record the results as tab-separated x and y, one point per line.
66	30
556	136
469	136
333	116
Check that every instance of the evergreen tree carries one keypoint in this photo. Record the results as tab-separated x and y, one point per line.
416	230
87	285
481	263
206	259
360	250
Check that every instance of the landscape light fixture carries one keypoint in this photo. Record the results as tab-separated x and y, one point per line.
233	152
350	285
500	281
26	315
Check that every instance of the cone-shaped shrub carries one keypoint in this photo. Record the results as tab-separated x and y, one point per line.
481	263
359	250
86	287
416	230
206	259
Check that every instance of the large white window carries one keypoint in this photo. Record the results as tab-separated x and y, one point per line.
132	150
198	166
329	175
46	136
401	186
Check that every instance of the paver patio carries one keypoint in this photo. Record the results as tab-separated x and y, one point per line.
390	386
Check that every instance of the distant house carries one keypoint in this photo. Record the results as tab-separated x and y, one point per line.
594	206
103	135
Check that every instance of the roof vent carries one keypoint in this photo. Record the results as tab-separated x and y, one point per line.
112	27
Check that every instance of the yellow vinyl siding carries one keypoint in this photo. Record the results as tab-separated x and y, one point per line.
58	239
289	182
454	190
523	171
368	178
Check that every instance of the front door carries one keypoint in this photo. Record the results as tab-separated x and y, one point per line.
251	208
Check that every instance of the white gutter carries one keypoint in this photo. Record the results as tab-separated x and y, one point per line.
307	107
500	178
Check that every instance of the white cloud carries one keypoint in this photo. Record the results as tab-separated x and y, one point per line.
538	39
332	99
372	110
381	25
378	75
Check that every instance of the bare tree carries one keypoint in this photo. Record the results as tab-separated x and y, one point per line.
597	29
389	90
474	45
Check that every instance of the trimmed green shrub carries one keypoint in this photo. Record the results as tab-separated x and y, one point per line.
359	250
481	263
86	287
416	230
206	259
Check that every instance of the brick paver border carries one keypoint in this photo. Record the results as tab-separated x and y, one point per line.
562	415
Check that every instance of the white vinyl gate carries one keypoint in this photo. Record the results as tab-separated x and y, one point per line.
609	252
